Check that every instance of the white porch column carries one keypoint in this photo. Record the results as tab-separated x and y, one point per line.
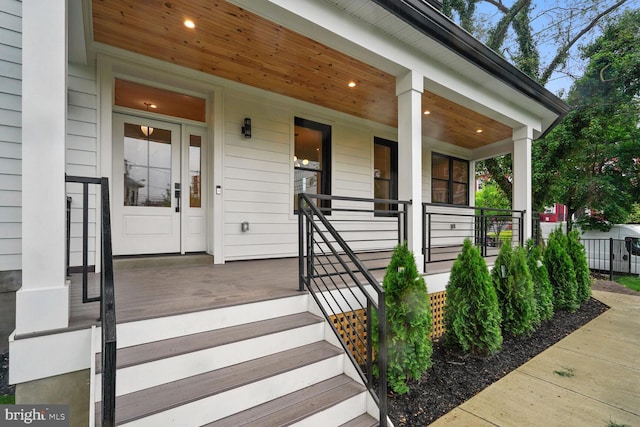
522	190
409	90
43	301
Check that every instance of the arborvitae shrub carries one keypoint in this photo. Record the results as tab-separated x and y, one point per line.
580	264
541	284
408	321
514	290
471	313
561	272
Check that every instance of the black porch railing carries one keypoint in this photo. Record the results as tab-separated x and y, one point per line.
445	227
107	294
340	282
613	256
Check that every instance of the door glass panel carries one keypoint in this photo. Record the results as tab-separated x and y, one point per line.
195	171
147	166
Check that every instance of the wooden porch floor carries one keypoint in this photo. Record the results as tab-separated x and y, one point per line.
161	291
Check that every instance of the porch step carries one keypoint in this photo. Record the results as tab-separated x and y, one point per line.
210	396
250	367
152	364
364	420
297	406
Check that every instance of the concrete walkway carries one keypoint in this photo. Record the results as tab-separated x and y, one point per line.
590	378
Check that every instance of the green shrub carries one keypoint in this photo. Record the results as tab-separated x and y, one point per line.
541	285
514	290
561	272
409	321
471	313
580	264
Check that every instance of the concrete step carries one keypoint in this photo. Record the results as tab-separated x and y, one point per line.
214	395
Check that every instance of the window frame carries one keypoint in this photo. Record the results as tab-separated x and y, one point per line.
450	180
325	171
393	180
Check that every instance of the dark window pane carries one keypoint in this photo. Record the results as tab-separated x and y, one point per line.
460	171
382	162
440	167
195	171
440	191
460	196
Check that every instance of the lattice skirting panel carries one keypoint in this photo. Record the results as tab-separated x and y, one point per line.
352	326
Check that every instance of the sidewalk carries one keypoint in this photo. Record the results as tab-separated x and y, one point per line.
590	378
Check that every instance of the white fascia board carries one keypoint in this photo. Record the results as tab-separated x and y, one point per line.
492	150
331	26
48	355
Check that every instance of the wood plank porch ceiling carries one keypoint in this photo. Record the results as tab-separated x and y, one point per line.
237	45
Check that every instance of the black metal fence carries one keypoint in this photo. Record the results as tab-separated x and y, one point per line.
613	256
107	294
340	282
445	227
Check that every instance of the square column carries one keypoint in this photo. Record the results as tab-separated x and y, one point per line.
43	301
522	190
409	88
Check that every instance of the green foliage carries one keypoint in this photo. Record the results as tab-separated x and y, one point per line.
561	272
631	282
7	399
471	314
634	216
541	284
576	251
514	289
409	321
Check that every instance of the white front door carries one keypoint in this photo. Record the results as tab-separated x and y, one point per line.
147	187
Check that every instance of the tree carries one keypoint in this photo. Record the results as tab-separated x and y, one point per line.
514	289
561	29
634	216
491	196
471	313
409	321
576	251
561	272
541	284
591	160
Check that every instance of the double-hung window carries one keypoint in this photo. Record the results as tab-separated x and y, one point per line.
449	180
312	160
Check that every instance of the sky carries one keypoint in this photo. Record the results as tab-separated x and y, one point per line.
543	21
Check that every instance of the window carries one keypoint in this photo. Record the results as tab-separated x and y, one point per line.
449	180
312	160
385	174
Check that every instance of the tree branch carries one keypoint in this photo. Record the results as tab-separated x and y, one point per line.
564	51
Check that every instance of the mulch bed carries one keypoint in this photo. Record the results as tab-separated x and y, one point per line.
456	377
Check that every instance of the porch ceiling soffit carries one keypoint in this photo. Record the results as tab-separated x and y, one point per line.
238	45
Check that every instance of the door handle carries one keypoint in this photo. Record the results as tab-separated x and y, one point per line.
177	193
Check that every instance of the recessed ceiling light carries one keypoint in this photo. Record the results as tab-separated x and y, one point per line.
153	106
189	23
479	131
352	84
427	112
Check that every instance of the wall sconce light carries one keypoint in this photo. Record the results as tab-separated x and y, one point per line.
246	129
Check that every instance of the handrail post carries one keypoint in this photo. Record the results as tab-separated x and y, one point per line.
483	233
301	239
382	358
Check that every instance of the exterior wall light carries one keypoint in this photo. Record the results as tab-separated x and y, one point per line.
246	129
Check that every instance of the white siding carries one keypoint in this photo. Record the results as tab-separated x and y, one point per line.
81	153
10	134
258	178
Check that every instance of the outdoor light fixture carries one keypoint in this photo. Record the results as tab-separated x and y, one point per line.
246	129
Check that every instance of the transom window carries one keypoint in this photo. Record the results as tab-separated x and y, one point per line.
449	180
312	160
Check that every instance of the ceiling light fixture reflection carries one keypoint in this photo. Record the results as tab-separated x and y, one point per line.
146	130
